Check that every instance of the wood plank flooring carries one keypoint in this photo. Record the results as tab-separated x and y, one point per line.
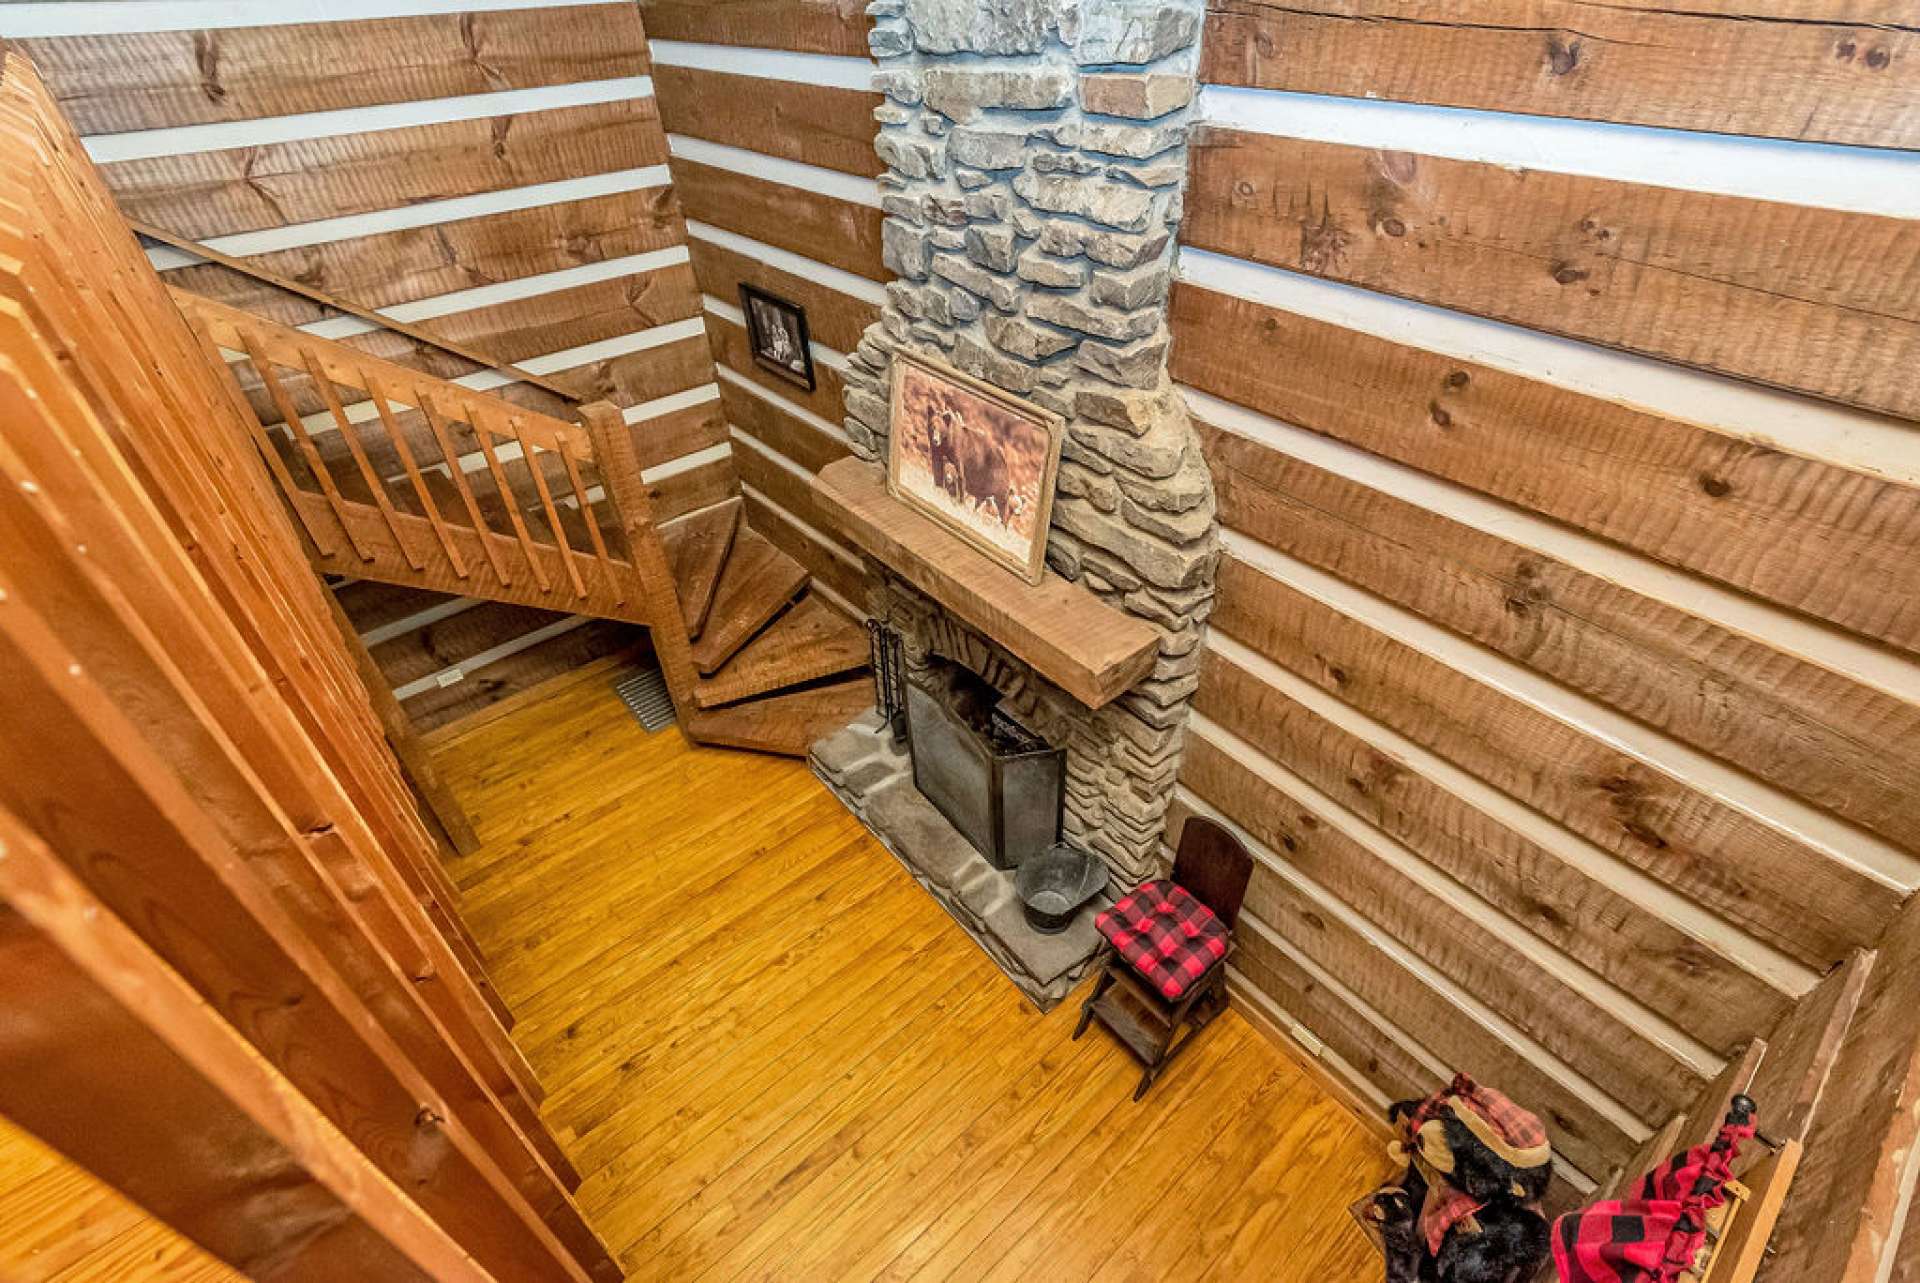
775	1057
58	1224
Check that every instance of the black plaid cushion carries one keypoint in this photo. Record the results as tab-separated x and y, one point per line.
1169	937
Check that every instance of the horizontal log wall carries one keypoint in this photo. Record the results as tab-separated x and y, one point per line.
769	118
496	176
1566	669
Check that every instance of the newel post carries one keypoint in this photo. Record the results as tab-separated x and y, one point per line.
619	466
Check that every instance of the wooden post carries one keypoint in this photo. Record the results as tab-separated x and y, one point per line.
483	432
1861	1107
350	435
619	466
297	429
615	584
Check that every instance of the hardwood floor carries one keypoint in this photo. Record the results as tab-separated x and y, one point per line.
60	1225
773	1056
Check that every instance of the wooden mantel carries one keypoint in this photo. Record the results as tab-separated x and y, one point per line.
1070	636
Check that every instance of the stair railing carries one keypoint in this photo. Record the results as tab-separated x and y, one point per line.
384	486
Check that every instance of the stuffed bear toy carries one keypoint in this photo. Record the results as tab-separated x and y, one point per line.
1467	1209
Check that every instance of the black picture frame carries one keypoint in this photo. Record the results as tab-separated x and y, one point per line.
774	326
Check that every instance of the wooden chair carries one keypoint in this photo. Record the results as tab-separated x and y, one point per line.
1214	868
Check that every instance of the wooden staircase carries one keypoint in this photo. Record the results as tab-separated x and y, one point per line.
401	478
778	665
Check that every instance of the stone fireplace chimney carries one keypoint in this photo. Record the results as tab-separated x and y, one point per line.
1036	152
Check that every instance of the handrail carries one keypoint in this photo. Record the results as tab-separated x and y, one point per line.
418	333
351	368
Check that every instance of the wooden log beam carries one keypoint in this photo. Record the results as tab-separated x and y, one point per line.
1684	495
1788	721
1692	277
1813	907
131	80
1630	1066
244	189
1686	978
810	26
1832	71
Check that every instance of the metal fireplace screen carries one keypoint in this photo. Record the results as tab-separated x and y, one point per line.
996	781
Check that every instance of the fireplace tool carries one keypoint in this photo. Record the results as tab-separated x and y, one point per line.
888	659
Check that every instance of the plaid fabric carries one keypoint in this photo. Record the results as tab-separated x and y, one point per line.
1169	937
1654	1237
1514	1134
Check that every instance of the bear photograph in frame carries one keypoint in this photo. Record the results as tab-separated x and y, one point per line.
978	460
777	335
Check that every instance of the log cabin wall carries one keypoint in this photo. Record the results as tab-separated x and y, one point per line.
1557	368
493	172
768	109
1566	634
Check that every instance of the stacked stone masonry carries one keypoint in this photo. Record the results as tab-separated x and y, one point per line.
1036	151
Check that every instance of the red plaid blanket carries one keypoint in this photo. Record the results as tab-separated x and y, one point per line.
1656	1235
1171	939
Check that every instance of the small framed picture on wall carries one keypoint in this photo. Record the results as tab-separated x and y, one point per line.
777	332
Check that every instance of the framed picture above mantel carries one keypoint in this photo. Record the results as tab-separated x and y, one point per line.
978	460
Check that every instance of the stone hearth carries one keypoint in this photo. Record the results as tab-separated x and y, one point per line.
875	779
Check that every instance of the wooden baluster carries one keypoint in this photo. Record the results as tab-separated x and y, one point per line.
459	479
374	482
547	505
432	510
264	440
614	581
484	434
297	427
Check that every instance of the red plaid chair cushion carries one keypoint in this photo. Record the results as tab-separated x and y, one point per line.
1169	937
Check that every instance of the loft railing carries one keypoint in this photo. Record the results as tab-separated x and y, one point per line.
398	476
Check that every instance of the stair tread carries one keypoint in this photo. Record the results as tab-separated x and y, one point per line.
697	546
810	641
757	583
787	724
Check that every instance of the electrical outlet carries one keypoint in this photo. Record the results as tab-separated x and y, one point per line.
1310	1044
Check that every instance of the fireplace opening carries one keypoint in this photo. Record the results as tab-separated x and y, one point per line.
994	779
